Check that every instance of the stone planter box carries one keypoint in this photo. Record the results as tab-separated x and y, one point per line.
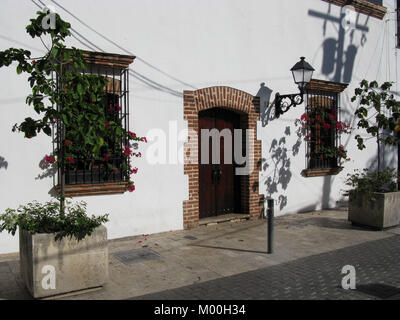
380	214
50	267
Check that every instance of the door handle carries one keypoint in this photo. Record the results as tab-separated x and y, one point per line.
219	174
213	175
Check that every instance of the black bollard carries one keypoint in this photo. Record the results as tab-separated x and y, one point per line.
270	213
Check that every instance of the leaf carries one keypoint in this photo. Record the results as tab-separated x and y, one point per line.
47	130
65	119
80	89
55	52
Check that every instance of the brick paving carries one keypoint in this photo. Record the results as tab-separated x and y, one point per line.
230	261
377	265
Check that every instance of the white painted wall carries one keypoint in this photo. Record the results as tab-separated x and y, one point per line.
195	44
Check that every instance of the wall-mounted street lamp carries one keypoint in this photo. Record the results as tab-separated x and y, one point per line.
302	74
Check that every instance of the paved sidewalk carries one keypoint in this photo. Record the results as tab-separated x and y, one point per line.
229	261
316	277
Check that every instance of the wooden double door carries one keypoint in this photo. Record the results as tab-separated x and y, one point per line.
219	186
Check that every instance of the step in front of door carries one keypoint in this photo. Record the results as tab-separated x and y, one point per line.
224	218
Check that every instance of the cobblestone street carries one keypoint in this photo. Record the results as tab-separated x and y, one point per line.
316	277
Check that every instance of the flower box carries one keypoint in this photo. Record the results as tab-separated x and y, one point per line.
49	267
381	213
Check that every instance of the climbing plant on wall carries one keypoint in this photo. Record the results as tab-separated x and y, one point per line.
58	79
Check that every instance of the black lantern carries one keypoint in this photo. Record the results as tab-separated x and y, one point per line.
302	73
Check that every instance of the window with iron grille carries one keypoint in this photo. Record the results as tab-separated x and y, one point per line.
323	125
322	109
107	171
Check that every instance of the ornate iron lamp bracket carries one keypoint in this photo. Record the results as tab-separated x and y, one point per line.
284	102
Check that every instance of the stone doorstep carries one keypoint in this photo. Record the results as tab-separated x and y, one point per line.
233	217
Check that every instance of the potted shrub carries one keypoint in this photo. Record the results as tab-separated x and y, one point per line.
374	200
61	251
59	242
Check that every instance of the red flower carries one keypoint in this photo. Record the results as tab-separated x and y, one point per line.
50	159
327	126
67	143
106	157
107	124
118	107
33	62
304	117
131	188
143	139
70	160
135	170
127	151
132	134
331	117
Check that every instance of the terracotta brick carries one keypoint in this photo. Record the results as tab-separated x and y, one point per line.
236	100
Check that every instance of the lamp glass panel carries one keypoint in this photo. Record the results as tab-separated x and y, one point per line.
298	75
307	75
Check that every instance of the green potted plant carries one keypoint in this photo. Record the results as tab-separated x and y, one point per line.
61	251
374	200
59	237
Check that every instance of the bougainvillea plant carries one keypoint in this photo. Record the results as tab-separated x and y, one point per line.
319	122
84	113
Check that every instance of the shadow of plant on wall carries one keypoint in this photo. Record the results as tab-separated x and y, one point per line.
278	166
3	163
49	169
388	159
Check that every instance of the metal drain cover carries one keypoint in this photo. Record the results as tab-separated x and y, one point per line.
136	255
379	290
190	237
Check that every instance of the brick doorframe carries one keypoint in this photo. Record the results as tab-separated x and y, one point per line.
249	107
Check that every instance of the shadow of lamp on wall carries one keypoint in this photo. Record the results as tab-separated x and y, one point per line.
302	73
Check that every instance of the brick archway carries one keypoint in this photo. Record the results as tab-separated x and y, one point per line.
237	101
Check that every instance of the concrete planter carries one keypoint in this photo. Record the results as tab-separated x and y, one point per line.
382	213
50	267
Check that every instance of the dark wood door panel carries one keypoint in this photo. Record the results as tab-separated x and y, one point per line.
206	187
217	181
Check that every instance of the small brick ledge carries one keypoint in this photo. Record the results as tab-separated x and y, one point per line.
309	173
80	190
362	6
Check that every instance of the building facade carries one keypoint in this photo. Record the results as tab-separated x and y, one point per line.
192	65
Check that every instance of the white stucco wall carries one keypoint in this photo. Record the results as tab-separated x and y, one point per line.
183	45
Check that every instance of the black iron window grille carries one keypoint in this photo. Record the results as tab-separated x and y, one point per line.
91	171
323	112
